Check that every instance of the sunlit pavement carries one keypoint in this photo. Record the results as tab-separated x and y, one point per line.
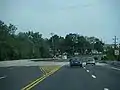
29	63
33	63
90	77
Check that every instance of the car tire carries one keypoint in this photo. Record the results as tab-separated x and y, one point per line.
93	63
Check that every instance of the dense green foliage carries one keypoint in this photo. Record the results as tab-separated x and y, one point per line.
110	54
31	44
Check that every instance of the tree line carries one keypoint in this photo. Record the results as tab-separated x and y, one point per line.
32	45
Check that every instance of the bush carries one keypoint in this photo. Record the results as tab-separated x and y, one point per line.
95	58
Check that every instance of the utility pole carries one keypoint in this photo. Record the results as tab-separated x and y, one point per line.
115	42
52	34
116	50
33	46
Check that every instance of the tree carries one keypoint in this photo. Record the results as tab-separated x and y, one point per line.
12	29
31	44
6	49
110	53
99	46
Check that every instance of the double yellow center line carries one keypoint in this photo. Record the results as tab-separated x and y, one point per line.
40	79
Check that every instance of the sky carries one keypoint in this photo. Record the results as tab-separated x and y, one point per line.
99	18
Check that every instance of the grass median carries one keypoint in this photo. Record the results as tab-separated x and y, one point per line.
47	69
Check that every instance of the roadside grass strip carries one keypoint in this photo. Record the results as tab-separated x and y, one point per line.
46	71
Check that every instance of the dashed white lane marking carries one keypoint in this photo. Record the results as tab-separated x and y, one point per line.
87	70
115	68
3	77
93	76
106	89
84	67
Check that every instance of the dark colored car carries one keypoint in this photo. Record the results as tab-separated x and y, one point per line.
75	62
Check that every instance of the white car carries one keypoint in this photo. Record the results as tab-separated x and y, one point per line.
92	61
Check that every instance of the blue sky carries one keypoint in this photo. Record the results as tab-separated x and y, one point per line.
100	18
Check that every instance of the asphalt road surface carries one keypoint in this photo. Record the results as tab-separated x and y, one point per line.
88	78
15	78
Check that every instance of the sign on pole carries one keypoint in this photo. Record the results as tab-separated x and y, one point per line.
116	52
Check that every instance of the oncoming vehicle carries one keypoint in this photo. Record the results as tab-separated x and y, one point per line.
75	62
90	61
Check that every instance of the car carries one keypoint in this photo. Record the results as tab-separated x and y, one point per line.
90	61
75	62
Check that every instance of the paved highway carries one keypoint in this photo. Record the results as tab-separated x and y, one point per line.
15	78
88	78
98	77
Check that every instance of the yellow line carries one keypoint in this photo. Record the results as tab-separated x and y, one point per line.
34	83
34	80
42	79
43	71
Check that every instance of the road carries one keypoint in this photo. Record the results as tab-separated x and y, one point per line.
88	78
98	77
14	78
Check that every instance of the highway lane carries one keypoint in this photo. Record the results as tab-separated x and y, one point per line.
88	78
14	78
98	77
66	79
106	75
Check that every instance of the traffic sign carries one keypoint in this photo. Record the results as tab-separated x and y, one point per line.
116	52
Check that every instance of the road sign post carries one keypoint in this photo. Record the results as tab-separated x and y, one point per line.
116	54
